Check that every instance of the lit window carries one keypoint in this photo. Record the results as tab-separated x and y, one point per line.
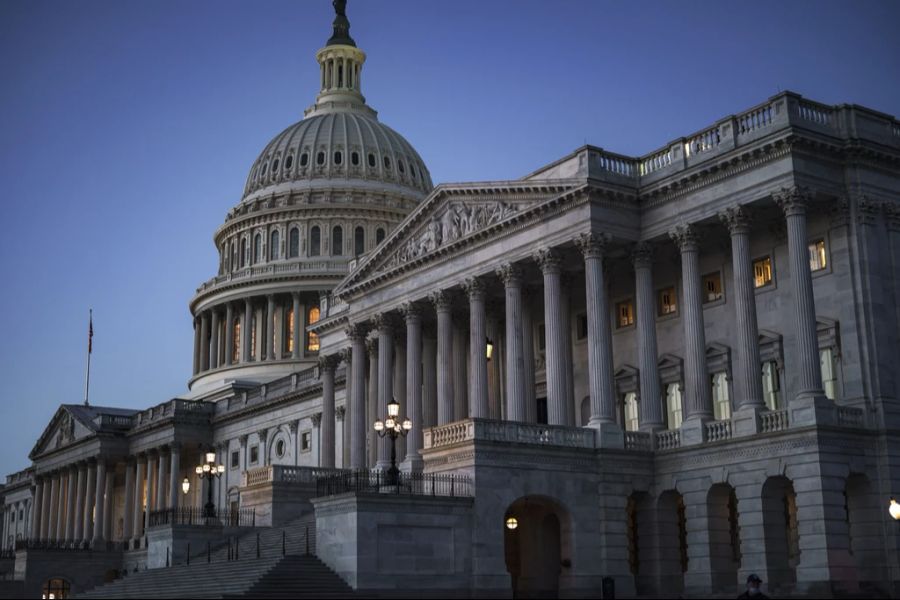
337	241
315	241
712	287
673	405
667	304
582	327
236	346
306	441
274	242
817	258
625	313
289	334
721	401
632	421
829	373
313	344
762	272
253	331
254	454
771	385
294	243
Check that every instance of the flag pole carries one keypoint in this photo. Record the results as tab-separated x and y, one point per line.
87	372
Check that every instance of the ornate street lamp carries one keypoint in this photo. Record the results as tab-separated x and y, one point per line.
393	428
208	470
894	509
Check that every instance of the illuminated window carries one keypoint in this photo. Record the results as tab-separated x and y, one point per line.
337	241
762	272
829	373
712	287
817	258
274	242
57	588
252	332
632	421
257	248
721	401
771	385
625	313
379	235
673	405
359	241
236	346
667	303
294	243
289	330
315	241
313	344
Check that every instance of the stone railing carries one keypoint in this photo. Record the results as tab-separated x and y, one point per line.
718	430
639	441
117	421
286	474
702	142
171	408
656	161
616	163
20	476
506	431
776	420
754	119
850	416
820	114
277	268
668	440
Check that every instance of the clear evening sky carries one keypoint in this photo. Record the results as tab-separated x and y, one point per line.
127	130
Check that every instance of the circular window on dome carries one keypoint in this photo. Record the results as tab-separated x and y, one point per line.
400	166
289	161
279	448
387	162
274	165
338	158
371	159
320	158
304	159
354	158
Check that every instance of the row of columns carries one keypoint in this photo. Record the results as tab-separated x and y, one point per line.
213	350
517	349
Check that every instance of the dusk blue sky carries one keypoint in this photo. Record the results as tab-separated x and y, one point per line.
127	130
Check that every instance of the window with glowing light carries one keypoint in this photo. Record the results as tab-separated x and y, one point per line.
313	344
762	272
817	257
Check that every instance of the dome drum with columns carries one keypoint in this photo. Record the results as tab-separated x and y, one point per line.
322	194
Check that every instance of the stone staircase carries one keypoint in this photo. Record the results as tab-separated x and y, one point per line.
298	537
280	577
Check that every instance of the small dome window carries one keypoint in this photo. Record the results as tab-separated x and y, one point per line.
338	158
289	161
265	167
400	166
320	158
371	159
304	159
274	165
354	158
415	173
387	162
379	235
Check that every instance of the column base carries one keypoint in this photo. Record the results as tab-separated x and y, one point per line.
693	430
745	421
811	409
412	464
607	434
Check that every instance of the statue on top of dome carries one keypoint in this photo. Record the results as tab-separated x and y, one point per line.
341	25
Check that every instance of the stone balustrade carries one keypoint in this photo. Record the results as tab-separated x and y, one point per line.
640	441
278	268
776	420
668	440
286	474
718	430
850	416
485	430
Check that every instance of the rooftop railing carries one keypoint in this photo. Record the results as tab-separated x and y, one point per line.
406	484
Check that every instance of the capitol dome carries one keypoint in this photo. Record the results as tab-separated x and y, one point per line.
324	193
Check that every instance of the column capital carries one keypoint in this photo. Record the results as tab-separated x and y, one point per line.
270	297
592	245
737	219
339	412
356	331
441	300
548	259
262	434
475	288
316	419
510	274
411	312
243	439
384	322
642	255
295	296
685	237
372	347
293	426
792	200
328	363
868	211
346	356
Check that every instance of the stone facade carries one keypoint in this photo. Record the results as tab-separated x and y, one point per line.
671	370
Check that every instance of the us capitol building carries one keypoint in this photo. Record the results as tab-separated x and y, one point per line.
662	373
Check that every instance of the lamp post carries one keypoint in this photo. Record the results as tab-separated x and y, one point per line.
208	470
393	428
894	510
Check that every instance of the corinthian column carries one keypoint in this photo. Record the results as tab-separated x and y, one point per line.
414	402
99	501
650	403
441	301
70	503
196	346
372	402
478	386
229	333
54	507
557	391
128	516
214	343
357	405
327	365
78	515
270	327
298	312
385	328
204	341
511	276
599	336
247	332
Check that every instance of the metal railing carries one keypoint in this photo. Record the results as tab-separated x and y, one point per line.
70	545
407	484
7	553
196	516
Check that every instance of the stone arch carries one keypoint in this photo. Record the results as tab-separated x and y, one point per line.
671	541
864	525
724	537
540	549
640	521
780	532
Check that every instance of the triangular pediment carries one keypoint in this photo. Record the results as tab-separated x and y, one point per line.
64	429
450	217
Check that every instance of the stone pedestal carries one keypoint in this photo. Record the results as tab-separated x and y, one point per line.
745	421
693	430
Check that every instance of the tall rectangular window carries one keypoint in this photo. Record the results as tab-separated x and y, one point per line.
817	258
771	385
673	405
289	329
625	313
252	333
829	373
631	412
721	401
712	287
313	343
762	272
667	302
236	346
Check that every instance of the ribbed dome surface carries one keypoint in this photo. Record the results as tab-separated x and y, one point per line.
339	145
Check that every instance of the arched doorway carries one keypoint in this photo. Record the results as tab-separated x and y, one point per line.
56	587
724	537
537	546
782	540
671	531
